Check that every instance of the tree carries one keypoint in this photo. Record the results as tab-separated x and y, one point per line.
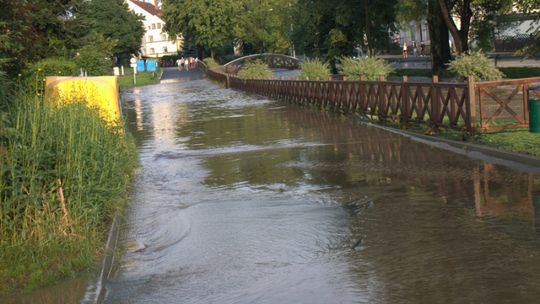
466	11
114	20
202	23
412	10
438	32
531	7
332	29
264	25
31	30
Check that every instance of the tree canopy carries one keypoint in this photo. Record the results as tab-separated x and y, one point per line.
34	29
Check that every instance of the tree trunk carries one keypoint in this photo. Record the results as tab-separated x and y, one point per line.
419	23
461	36
438	32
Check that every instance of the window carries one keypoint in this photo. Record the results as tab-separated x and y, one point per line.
165	49
163	37
150	38
151	51
153	26
159	25
149	27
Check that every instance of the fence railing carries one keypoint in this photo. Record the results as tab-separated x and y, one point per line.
504	104
438	104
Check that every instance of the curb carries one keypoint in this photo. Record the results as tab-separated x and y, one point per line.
95	292
512	160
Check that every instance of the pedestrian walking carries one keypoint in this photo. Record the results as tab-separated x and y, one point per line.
422	48
405	51
415	49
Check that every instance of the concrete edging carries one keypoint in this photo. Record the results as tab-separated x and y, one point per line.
512	160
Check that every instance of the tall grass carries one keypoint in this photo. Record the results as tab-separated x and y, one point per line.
63	174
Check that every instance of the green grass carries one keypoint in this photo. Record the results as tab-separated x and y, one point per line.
510	140
39	145
512	72
519	141
521	72
145	78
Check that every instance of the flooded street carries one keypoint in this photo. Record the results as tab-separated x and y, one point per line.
241	199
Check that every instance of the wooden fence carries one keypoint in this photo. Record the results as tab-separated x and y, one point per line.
438	104
504	104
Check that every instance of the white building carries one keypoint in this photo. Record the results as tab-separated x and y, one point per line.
155	43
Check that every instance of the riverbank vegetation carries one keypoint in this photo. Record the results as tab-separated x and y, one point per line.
64	175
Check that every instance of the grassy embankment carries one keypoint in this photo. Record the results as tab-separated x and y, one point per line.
64	174
144	78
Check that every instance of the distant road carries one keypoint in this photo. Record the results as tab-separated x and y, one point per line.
174	75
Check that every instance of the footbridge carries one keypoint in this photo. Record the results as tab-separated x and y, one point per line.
274	61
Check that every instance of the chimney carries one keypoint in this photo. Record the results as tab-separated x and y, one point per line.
156	3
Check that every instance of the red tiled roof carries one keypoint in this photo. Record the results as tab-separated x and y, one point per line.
149	7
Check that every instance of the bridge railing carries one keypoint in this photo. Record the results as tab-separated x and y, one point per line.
438	104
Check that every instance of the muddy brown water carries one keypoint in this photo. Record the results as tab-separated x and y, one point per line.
246	200
240	199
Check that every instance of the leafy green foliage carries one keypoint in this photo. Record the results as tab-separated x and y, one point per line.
314	69
265	25
475	64
115	21
369	68
255	70
331	29
28	28
206	23
95	57
55	67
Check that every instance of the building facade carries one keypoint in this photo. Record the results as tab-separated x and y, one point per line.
156	42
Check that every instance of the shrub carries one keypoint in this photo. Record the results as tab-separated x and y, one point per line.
314	68
475	64
96	55
95	61
256	69
55	67
210	62
369	68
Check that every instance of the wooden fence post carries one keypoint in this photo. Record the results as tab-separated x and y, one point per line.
383	111
471	87
434	115
404	99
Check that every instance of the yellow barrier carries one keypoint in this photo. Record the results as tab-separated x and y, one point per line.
97	92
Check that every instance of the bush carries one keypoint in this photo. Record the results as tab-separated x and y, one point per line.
256	69
314	68
96	55
55	67
210	62
369	68
475	64
94	61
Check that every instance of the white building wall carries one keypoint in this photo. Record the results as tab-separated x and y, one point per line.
155	42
